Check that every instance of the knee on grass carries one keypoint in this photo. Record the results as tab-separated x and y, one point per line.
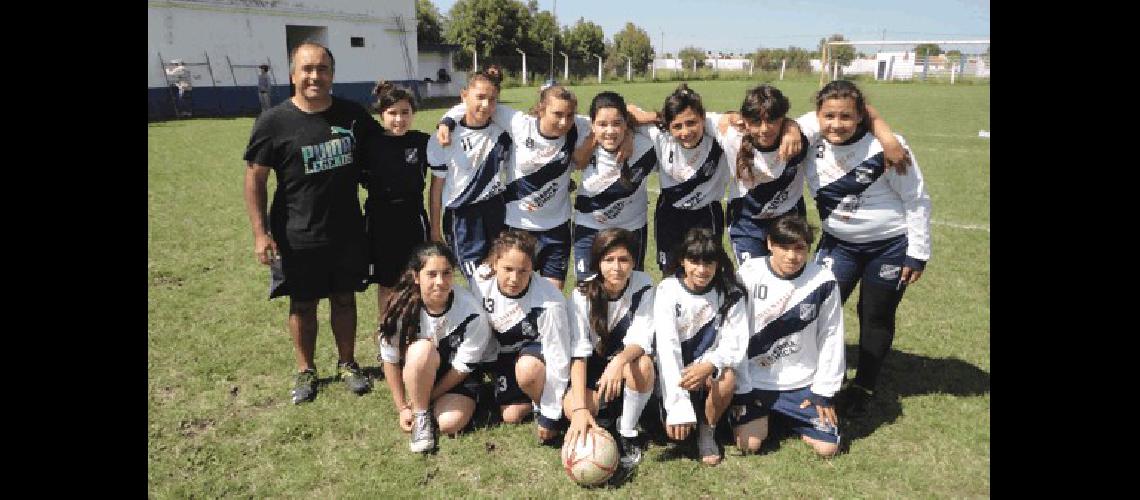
516	413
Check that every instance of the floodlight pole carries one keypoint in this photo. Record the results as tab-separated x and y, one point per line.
628	68
475	55
599	67
565	66
524	65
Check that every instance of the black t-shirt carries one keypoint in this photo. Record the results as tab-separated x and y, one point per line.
317	160
397	170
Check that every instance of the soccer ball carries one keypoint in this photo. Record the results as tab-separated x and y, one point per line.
592	463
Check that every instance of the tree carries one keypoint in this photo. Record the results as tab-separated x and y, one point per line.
429	25
584	39
770	59
632	42
543	32
842	53
690	54
497	27
924	49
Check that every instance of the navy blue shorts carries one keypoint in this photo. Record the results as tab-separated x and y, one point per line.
749	237
470	230
468	387
595	366
877	263
584	240
787	412
394	229
670	225
553	250
507	390
315	273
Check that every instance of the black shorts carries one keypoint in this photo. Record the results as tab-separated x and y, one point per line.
507	390
670	225
595	366
468	387
315	273
552	251
394	229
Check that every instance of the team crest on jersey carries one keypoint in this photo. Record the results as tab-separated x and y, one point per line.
410	155
670	156
527	329
489	305
454	341
678	308
863	174
529	143
819	150
889	271
807	312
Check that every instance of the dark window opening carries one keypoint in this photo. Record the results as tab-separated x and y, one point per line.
357	41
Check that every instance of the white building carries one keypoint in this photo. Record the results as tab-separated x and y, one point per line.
223	41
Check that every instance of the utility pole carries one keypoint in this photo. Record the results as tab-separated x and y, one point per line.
524	65
553	38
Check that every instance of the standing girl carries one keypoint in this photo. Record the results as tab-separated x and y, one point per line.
432	339
876	226
467	181
612	192
394	210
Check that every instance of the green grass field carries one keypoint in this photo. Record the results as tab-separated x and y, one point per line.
220	362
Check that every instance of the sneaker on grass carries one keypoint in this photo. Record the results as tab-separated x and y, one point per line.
423	433
354	377
305	386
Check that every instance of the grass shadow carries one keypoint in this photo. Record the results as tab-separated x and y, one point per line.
906	374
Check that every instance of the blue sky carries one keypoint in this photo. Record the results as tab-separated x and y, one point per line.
743	25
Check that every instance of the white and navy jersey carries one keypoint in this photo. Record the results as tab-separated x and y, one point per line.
538	315
629	318
776	186
472	164
860	200
690	178
796	330
461	334
538	176
604	201
687	329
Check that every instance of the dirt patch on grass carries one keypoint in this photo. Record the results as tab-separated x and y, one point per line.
195	426
164	279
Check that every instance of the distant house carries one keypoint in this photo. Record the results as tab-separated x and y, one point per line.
437	71
222	42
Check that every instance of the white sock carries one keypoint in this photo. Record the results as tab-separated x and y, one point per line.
631	407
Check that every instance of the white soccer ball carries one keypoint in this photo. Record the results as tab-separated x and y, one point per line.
593	462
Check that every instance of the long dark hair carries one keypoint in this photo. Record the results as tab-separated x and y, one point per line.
593	289
610	99
388	94
681	99
761	103
702	245
517	239
402	311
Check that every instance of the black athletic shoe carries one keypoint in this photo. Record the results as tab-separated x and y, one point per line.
631	450
854	401
305	386
354	377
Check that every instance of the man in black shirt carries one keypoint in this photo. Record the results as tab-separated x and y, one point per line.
314	240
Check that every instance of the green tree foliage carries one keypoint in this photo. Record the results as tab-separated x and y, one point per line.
690	54
543	32
632	42
429	23
923	49
770	59
584	39
843	53
495	27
